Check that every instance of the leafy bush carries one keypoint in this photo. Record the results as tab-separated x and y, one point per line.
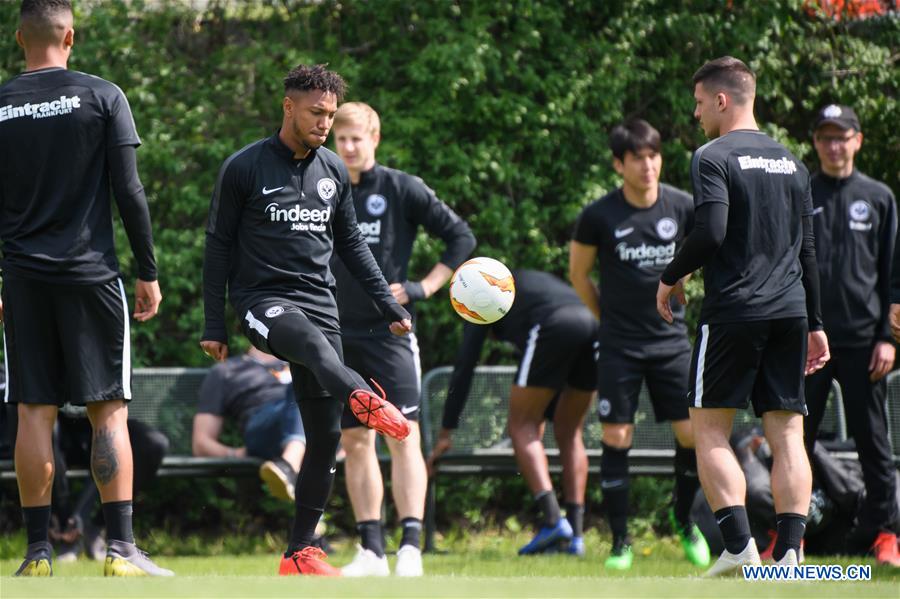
502	107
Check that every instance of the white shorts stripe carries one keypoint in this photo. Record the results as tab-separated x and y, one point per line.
522	380
5	369
257	325
126	345
414	346
701	366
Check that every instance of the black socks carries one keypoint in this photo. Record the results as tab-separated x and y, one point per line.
546	501
735	527
614	482
117	515
371	536
575	516
790	528
37	523
412	530
686	484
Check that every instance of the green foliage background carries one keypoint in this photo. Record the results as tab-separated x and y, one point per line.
503	107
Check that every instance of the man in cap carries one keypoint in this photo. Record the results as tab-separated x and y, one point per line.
855	225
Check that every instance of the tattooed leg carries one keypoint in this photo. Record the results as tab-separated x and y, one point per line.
104	462
111	460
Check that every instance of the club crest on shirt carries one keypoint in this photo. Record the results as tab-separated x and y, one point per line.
666	228
274	311
860	215
860	210
376	204
326	188
604	407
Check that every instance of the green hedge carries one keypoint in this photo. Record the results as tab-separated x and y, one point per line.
502	107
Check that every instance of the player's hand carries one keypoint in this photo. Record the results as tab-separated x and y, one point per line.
894	318
817	354
401	327
399	293
664	293
442	445
147	297
216	350
882	360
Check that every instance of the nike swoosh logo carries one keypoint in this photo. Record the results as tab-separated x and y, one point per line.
408	409
267	191
333	469
724	518
612	484
620	233
819	210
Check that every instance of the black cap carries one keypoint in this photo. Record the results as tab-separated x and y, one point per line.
834	114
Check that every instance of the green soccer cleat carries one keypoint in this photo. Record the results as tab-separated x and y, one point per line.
696	550
38	561
620	558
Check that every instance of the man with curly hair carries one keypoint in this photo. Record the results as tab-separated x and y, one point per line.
281	207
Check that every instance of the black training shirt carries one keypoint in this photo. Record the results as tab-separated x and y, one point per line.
273	224
634	245
755	274
390	207
855	224
237	386
538	294
57	130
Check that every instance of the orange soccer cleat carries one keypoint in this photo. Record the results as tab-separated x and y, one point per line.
309	561
885	550
377	413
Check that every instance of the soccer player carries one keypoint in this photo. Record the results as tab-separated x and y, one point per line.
855	225
632	233
65	139
390	206
281	206
556	336
760	327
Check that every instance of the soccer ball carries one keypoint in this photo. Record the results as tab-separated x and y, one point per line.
482	290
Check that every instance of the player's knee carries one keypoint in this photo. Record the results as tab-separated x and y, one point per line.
357	440
618	435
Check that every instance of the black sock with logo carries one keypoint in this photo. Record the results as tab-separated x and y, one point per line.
735	527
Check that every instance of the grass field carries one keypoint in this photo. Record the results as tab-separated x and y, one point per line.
484	566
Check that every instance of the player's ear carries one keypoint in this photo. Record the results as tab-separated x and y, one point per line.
721	101
376	139
288	105
618	165
69	39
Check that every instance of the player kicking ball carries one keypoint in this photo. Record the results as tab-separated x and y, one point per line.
630	235
281	207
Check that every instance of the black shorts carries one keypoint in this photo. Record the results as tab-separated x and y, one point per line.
619	380
762	362
392	362
256	323
65	343
561	351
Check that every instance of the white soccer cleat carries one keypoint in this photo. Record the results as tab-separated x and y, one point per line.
789	559
409	561
729	562
366	563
